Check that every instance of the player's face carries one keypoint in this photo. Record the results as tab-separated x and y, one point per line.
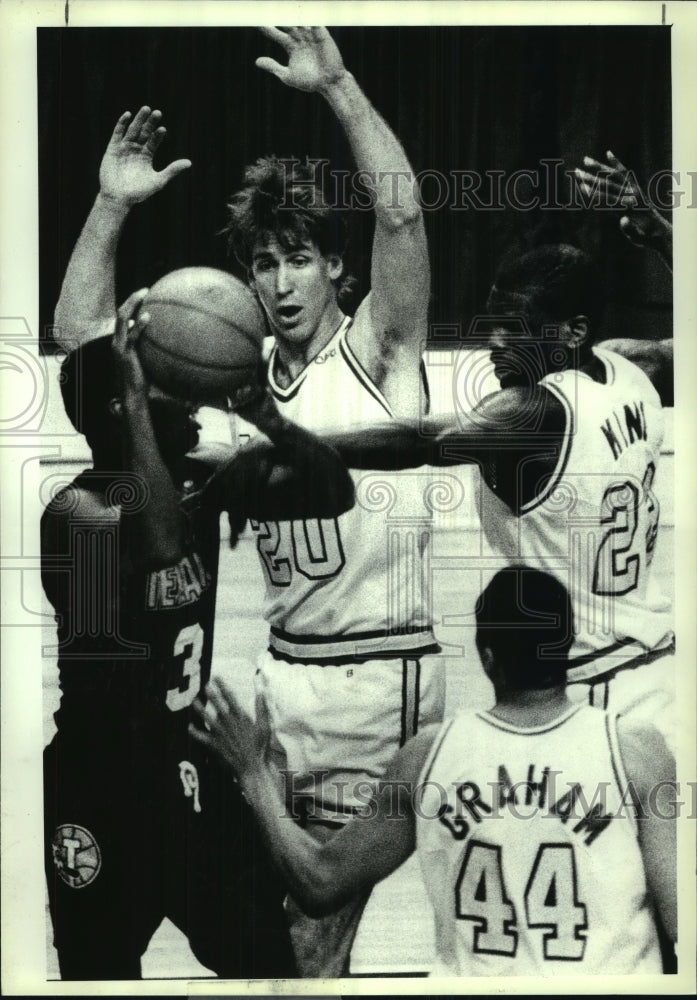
514	353
294	287
524	348
176	429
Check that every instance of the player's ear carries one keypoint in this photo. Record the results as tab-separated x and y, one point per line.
336	266
485	655
580	329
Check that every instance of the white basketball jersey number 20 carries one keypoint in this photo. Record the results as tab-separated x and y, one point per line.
312	548
187	649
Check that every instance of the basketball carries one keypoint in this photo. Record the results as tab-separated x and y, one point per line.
205	334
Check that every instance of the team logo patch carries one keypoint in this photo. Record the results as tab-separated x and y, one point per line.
189	780
76	855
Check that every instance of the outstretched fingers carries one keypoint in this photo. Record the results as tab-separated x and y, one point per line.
132	133
149	126
177	167
273	67
283	37
121	126
614	162
154	140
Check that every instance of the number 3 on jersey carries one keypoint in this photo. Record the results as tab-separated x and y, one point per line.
551	902
187	653
312	548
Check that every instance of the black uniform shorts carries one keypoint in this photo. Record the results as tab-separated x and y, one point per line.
141	828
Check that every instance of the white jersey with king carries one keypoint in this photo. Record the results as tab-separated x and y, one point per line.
527	839
352	587
594	523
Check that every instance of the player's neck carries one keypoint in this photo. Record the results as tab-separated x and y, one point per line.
292	359
530	708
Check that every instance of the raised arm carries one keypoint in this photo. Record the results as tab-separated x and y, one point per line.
86	307
400	279
156	528
320	876
615	186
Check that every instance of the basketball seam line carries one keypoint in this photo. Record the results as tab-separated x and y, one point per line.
197	364
206	312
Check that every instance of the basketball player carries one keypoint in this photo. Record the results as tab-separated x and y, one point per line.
568	452
545	829
139	825
343	678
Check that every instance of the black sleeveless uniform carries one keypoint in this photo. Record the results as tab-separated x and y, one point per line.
140	823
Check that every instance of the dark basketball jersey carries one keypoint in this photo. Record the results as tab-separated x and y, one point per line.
133	646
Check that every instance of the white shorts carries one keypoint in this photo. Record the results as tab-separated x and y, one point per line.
644	692
335	728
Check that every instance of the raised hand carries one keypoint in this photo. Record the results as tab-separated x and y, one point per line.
126	174
615	186
130	323
314	61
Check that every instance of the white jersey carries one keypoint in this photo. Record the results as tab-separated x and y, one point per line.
352	587
528	844
594	523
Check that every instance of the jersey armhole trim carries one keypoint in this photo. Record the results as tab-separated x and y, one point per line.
427	769
623	785
563	457
610	370
360	372
426	387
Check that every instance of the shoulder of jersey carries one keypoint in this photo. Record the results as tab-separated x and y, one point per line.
621	369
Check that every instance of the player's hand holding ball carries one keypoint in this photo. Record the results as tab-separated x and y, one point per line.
131	320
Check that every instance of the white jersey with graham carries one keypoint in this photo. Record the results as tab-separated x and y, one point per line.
594	524
352	587
528	844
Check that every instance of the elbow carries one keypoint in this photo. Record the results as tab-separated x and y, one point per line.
339	494
319	896
161	556
403	217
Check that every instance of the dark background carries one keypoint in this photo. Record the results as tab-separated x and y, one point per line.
458	98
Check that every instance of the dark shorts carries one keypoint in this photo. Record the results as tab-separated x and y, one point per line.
138	831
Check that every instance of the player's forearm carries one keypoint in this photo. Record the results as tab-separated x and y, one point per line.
157	526
302	861
390	446
399	445
376	150
87	303
662	240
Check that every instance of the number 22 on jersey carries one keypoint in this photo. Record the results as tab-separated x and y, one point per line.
312	548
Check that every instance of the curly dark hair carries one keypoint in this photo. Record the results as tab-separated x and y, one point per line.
551	282
282	198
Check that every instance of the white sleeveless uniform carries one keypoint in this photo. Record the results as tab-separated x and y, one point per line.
594	526
347	602
533	867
